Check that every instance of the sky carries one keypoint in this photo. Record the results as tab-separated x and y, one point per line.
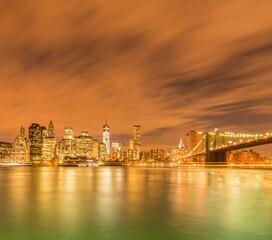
170	66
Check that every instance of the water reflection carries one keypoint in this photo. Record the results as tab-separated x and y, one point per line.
135	203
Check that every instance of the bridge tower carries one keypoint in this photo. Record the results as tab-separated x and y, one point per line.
212	155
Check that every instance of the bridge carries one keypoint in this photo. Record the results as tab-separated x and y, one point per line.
216	145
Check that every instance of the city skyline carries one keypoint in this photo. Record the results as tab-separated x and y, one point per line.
264	150
198	67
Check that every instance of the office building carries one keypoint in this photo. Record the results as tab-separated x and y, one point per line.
35	142
106	137
20	152
195	142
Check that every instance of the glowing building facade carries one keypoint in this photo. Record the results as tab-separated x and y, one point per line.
35	142
178	154
84	145
137	141
49	144
49	149
195	141
106	137
131	150
5	151
115	151
96	149
102	152
19	152
67	146
157	154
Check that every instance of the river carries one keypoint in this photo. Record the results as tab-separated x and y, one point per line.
135	203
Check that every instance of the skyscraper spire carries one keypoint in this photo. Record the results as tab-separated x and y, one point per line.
51	129
106	135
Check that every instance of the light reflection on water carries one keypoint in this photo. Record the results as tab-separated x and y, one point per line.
135	203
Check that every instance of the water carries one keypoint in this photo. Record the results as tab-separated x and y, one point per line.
135	203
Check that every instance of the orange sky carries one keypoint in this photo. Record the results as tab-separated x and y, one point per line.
171	66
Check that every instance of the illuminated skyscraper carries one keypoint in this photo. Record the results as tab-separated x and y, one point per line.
35	141
137	135
106	137
115	151
84	145
49	149
19	152
5	151
67	146
137	140
178	154
157	154
102	151
49	144
51	129
131	150
123	154
96	149
195	141
68	133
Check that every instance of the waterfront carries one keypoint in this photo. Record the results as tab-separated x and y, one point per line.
135	203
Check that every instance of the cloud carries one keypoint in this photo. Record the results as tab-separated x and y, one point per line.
169	66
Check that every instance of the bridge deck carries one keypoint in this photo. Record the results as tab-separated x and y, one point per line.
256	142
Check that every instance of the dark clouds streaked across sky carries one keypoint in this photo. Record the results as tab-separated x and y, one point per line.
170	66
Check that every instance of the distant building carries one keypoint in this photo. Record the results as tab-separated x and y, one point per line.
68	133
35	142
195	141
243	156
96	149
19	152
115	151
157	154
103	152
49	149
144	156
131	150
5	151
178	153
51	130
123	153
84	145
137	141
67	146
106	137
49	144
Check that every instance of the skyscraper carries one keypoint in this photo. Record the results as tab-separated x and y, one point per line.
19	152
106	136
137	135
5	151
96	149
35	141
68	133
195	141
137	140
49	144
67	146
51	129
84	145
131	150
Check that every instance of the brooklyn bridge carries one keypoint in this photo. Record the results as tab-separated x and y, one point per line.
215	145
